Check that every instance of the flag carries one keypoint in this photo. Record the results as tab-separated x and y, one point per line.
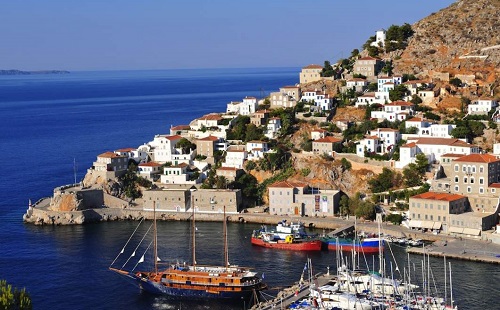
262	276
141	260
123	250
158	259
133	254
305	266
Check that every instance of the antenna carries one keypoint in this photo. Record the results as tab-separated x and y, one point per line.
74	168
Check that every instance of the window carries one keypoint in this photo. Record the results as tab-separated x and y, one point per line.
471	180
481	190
480	169
468	189
465	180
456	179
456	188
481	181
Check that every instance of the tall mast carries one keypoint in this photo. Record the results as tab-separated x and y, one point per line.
194	232
226	254
155	238
451	287
445	276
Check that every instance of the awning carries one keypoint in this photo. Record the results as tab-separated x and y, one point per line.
437	225
415	224
457	230
472	231
427	224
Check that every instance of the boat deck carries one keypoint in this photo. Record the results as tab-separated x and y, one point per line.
291	294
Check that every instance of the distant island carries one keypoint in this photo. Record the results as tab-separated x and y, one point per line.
20	72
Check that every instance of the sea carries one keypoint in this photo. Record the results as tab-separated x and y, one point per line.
52	127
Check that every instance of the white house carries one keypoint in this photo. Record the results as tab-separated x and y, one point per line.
482	106
397	110
367	99
318	133
138	155
163	146
273	127
256	149
235	158
370	144
433	148
150	170
233	107
388	137
427	129
386	83
320	99
380	37
176	175
248	106
358	84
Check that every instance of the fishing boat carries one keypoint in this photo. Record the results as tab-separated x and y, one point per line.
365	245
268	240
194	281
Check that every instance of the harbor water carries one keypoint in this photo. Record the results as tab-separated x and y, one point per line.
51	129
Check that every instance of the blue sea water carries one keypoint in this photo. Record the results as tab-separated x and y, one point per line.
48	122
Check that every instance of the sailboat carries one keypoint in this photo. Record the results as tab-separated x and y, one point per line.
196	281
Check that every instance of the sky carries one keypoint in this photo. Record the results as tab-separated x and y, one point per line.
84	35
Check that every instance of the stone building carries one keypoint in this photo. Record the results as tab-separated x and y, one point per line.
311	73
368	66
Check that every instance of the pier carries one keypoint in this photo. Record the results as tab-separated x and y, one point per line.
292	294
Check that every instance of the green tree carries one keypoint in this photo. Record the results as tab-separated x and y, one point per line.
398	92
383	182
372	87
253	133
477	128
421	163
250	165
344	205
12	298
221	182
346	165
412	176
249	188
394	218
456	82
355	53
461	132
366	210
327	69
388	67
185	145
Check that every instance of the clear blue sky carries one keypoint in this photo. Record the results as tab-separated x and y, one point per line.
163	34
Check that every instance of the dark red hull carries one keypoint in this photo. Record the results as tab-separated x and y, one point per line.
310	245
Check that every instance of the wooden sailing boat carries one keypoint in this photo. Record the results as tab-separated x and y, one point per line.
196	281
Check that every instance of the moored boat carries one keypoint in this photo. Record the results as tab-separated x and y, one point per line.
288	244
366	245
194	281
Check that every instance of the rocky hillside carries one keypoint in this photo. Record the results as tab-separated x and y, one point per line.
460	39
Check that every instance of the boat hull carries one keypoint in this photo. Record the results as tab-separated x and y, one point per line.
307	245
367	246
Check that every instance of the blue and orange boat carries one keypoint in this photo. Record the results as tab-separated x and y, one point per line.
364	245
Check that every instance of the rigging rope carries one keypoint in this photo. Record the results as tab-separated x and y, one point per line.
139	261
123	249
133	253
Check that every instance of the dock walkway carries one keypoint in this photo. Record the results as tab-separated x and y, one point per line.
291	294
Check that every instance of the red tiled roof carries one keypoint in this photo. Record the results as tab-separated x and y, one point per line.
372	138
150	164
313	67
416	119
412	144
227	168
443	141
319	130
288	184
400	103
180	127
127	149
494	185
368	58
452	155
367	95
109	155
174	137
478	158
386	129
329	140
439	196
211	117
209	138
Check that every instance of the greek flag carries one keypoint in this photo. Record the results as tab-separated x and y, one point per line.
305	266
